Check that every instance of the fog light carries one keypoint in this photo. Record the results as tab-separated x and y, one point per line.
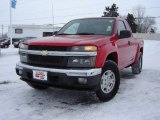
20	72
82	80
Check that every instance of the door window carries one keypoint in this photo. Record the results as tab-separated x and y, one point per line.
121	26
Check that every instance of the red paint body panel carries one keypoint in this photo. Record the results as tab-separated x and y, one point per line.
126	49
71	40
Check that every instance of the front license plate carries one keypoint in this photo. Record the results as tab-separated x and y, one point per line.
39	75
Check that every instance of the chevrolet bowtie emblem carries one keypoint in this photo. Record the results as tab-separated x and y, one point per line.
44	53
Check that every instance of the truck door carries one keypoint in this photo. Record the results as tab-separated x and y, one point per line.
133	48
123	46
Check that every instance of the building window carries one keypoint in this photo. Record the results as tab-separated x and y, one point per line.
18	31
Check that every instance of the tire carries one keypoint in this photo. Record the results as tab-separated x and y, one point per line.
137	66
111	71
38	87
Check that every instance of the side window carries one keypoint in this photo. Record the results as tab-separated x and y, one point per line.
18	31
72	29
121	26
130	30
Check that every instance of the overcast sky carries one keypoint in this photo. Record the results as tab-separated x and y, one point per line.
40	11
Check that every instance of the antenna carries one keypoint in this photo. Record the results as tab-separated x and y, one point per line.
53	14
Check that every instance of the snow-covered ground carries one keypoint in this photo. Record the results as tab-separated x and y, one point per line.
138	97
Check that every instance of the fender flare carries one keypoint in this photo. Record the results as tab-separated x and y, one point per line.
104	52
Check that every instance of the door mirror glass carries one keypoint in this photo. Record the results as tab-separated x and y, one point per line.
124	34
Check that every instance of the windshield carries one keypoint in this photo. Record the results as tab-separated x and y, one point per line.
90	26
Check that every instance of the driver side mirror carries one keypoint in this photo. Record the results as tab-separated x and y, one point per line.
124	34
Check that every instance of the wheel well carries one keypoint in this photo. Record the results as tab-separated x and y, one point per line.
141	50
113	56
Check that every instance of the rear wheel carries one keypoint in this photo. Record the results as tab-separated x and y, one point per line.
110	81
39	87
137	66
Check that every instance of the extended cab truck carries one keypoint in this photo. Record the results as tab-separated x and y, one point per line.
85	54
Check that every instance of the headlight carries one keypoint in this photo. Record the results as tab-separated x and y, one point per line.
23	46
84	48
81	62
23	57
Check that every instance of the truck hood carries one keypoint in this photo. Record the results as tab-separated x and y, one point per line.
70	40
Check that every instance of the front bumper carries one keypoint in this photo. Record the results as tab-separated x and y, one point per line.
65	78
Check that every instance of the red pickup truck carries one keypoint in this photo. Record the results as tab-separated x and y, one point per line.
85	54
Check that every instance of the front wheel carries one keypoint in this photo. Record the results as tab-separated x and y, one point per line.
110	81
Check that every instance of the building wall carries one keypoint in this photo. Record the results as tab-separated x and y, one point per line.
31	31
147	36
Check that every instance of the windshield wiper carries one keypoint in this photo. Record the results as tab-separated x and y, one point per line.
77	34
85	34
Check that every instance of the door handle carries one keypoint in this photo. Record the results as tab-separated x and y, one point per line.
129	42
